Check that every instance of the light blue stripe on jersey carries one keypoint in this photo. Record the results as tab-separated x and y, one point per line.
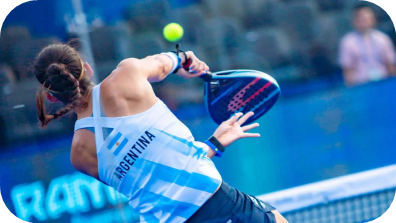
149	217
114	140
180	177
167	205
120	147
190	144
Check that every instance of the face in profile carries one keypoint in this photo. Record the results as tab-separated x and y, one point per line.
364	20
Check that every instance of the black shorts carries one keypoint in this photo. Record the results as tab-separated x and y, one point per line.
229	205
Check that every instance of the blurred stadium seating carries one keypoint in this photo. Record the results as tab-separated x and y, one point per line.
295	41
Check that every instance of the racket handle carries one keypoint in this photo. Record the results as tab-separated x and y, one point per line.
206	77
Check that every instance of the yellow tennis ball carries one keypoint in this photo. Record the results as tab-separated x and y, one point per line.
173	32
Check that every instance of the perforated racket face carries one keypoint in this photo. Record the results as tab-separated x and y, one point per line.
240	91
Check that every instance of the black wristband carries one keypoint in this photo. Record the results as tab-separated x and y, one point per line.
216	142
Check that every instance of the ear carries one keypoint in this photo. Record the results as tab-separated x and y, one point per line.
50	97
89	71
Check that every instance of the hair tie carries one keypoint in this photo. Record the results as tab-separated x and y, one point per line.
82	70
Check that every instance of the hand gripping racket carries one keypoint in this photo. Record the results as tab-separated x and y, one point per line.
231	91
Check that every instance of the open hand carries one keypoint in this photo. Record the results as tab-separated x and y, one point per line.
232	129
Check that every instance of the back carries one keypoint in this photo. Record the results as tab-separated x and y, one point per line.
152	158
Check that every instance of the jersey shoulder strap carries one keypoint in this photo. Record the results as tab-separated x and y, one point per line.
97	116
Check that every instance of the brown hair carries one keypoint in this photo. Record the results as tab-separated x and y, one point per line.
59	69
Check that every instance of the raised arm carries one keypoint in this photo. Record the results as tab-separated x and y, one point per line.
131	79
157	67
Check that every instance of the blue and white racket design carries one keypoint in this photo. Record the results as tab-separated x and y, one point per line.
232	91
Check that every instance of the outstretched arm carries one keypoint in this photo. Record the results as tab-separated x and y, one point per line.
157	67
131	79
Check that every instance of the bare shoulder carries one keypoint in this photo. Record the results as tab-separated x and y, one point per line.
127	81
126	70
129	63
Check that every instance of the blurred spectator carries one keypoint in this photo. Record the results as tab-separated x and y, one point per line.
366	54
12	34
7	75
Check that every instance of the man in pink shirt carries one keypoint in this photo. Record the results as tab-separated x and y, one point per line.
366	54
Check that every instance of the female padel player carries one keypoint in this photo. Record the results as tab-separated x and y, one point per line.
128	139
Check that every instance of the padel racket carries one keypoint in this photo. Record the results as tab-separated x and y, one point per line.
232	91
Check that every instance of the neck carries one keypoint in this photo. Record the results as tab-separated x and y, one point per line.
87	111
364	32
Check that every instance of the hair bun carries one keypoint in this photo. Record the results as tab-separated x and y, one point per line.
56	69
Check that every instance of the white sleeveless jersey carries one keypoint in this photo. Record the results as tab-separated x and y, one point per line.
152	159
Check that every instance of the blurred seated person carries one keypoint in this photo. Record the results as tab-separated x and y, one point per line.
7	75
366	54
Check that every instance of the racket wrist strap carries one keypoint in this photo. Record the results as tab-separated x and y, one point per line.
214	144
186	64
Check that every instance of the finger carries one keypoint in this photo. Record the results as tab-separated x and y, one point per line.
198	68
250	135
194	67
234	118
201	67
207	67
191	69
203	72
249	127
184	73
245	117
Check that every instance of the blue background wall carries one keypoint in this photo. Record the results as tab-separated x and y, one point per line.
313	137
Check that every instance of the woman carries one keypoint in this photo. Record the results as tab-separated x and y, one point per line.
128	139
